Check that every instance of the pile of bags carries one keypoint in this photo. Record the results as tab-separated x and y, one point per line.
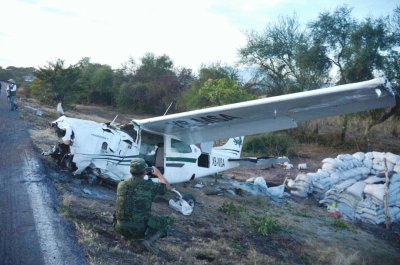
355	184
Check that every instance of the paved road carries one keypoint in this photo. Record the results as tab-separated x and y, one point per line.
31	231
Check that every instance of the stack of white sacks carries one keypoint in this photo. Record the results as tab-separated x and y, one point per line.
355	183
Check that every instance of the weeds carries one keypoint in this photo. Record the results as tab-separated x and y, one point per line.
238	245
304	213
231	209
266	225
346	259
65	211
339	224
65	207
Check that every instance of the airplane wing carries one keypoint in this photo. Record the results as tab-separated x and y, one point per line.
273	113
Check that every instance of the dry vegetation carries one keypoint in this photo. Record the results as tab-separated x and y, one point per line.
224	228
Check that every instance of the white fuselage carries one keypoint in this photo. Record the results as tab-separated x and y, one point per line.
110	149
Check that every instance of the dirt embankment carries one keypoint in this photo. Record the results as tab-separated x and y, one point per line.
225	228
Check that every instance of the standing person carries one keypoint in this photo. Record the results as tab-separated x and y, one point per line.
12	94
133	207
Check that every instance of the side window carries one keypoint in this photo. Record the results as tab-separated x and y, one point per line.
180	147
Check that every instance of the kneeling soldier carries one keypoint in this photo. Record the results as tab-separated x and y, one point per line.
133	207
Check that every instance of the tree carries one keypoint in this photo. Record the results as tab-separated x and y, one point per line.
358	50
216	85
220	92
97	83
334	32
129	97
289	62
57	82
155	83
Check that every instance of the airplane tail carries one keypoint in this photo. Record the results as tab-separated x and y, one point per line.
233	147
60	110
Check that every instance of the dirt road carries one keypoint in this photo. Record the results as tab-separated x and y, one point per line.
31	230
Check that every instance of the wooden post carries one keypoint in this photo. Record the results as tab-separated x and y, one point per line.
385	196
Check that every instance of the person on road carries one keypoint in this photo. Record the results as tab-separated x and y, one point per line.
12	94
135	195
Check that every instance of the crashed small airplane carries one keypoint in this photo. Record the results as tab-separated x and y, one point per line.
182	145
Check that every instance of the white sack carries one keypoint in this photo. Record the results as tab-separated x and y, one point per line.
392	158
345	157
359	156
378	155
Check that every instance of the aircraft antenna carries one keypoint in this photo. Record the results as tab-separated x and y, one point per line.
114	119
168	108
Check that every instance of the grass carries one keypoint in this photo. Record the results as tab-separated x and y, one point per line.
304	212
266	225
339	224
238	245
349	259
232	209
65	207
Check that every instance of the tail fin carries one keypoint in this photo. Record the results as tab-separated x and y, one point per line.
60	110
232	148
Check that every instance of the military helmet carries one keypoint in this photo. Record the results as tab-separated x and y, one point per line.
138	166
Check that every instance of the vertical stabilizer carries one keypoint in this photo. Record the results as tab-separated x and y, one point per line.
232	148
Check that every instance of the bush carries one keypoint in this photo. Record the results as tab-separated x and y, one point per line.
266	225
231	209
270	144
339	224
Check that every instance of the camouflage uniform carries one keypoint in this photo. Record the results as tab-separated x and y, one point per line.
133	207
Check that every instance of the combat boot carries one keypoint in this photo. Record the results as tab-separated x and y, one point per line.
148	243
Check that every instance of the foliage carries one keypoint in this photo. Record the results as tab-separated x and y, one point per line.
17	73
163	84
58	82
270	144
266	225
333	31
129	96
339	224
287	58
217	85
220	92
96	81
231	209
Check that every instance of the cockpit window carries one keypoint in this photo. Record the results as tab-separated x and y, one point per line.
130	130
180	147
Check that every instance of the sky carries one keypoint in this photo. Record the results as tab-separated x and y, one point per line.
192	33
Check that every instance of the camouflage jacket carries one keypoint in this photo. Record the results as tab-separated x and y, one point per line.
135	197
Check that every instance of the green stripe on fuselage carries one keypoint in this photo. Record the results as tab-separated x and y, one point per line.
182	159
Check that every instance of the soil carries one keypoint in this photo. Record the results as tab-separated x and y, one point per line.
225	227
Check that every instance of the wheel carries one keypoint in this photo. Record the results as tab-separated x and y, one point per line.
190	199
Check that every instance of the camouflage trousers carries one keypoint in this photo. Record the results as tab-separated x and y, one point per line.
155	224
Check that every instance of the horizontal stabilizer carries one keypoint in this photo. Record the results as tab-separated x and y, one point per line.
265	161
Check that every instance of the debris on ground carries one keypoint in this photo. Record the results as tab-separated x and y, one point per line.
181	205
302	166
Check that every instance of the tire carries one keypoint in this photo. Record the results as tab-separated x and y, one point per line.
190	199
